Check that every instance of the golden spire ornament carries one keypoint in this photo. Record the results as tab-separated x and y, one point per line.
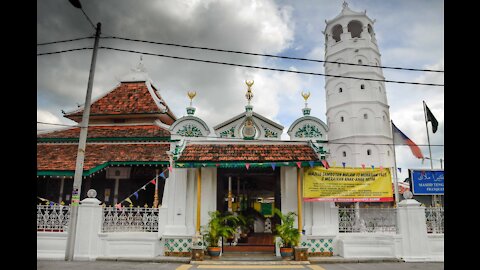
306	110
249	94
305	96
191	109
191	95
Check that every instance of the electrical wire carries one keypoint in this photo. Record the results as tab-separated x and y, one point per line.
71	50
61	41
269	55
53	124
267	68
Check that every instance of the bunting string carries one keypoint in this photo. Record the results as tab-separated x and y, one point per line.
127	199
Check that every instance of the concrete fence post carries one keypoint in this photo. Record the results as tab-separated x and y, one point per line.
87	244
413	229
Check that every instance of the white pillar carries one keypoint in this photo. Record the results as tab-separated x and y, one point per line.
89	224
288	184
325	218
177	199
209	194
413	229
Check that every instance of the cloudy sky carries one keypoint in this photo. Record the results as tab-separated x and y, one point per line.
410	33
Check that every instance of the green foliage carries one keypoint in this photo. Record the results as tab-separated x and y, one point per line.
290	236
220	225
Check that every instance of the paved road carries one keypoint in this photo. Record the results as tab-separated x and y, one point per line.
110	265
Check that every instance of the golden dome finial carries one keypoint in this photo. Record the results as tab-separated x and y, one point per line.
305	96
191	95
249	94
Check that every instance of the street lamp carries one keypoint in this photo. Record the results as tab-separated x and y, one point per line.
77	181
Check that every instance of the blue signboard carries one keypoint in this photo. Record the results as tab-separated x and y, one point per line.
427	182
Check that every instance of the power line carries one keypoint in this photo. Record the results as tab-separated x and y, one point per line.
71	50
53	124
60	41
270	55
266	68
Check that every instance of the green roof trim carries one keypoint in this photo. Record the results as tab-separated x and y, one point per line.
111	139
242	164
100	167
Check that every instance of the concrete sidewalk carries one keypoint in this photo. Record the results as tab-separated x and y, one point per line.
312	260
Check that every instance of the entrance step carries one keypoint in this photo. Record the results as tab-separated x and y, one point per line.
245	248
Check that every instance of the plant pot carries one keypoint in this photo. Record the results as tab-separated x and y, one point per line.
301	254
286	252
214	252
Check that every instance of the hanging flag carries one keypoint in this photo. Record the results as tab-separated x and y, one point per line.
400	138
343	163
373	166
128	200
399	170
204	164
311	164
153	181
363	166
299	164
334	164
170	168
381	167
144	187
273	166
325	164
162	175
135	194
431	118
118	206
217	164
52	203
247	165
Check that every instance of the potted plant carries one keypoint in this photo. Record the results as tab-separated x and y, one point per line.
218	226
289	235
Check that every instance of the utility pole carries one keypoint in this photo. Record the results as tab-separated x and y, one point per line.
77	181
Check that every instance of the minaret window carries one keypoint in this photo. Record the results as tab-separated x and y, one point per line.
388	153
355	28
362	86
380	89
337	30
360	61
365	116
384	118
344	154
369	152
342	119
370	30
340	90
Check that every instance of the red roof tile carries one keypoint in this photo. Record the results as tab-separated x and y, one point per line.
52	157
247	152
127	98
111	132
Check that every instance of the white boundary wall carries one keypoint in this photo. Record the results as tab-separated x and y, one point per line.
412	243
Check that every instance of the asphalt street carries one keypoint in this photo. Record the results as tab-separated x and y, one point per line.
108	265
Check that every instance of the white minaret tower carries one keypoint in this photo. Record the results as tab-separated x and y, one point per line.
358	114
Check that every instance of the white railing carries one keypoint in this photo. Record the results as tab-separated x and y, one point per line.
129	219
52	218
367	220
434	219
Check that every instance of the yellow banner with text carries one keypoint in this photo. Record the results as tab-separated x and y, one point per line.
347	185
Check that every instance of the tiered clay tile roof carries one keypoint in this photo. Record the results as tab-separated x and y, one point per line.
144	131
127	98
247	152
62	157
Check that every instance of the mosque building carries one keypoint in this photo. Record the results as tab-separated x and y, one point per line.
139	153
